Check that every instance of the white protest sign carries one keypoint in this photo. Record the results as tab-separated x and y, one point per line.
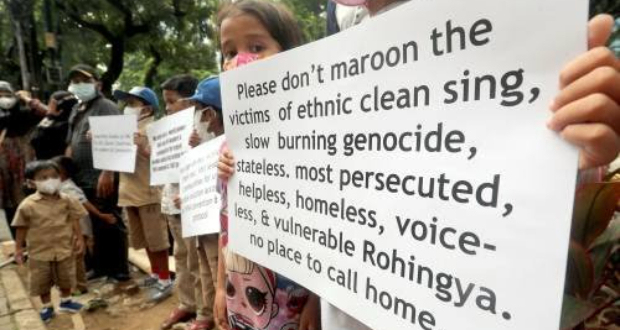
402	169
169	140
113	142
200	201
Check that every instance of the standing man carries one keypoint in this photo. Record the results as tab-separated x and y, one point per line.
100	187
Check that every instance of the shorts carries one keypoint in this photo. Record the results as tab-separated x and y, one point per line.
148	228
44	274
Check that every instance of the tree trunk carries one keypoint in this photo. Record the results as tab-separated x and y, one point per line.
115	66
151	72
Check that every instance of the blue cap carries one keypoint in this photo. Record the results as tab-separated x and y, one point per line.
208	93
143	93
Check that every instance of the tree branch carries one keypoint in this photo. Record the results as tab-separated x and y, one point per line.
74	16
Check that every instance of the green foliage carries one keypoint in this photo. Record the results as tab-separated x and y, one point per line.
137	42
594	239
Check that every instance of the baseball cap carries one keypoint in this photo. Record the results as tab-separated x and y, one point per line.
208	93
83	69
143	93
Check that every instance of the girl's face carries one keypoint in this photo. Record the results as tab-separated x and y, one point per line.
245	34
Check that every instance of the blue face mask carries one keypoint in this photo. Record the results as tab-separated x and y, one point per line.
83	91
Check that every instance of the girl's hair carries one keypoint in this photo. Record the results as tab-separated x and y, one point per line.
276	18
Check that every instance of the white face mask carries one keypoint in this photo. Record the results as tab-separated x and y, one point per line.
7	102
202	128
83	91
49	186
132	111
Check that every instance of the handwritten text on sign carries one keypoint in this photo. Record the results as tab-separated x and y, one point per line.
169	140
410	173
200	200
113	142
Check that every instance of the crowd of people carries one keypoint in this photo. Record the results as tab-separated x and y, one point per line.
78	221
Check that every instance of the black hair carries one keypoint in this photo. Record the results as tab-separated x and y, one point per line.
65	102
275	17
184	84
37	166
67	165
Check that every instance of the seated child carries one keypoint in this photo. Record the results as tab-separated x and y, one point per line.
49	221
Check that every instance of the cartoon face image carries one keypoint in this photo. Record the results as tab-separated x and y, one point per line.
250	298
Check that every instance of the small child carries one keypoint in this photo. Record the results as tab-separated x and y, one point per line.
210	122
49	222
68	187
147	226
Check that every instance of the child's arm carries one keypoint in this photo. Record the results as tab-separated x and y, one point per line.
21	233
79	239
219	305
107	217
311	314
587	110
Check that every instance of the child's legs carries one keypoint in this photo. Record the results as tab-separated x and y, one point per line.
80	272
208	254
41	279
155	233
185	288
64	275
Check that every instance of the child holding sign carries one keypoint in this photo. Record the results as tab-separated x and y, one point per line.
249	295
586	112
147	226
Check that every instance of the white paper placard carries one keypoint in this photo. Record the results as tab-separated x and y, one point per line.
113	142
200	211
169	140
408	163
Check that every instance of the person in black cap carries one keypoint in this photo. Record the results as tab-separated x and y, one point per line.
100	187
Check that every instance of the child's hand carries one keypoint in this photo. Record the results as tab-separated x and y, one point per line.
587	110
219	309
109	218
19	256
89	136
177	201
79	245
311	314
194	139
226	165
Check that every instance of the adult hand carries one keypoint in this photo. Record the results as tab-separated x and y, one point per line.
587	111
108	218
105	185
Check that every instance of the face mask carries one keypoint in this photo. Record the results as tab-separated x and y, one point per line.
202	128
132	111
49	186
240	60
83	91
351	2
7	102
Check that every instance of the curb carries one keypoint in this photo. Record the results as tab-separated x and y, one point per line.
16	309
